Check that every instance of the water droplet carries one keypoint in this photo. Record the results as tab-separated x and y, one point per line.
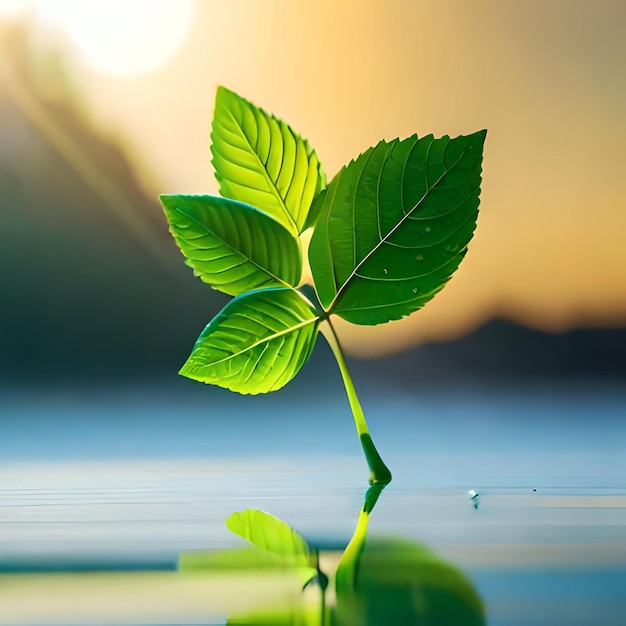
419	257
385	270
414	289
427	229
474	497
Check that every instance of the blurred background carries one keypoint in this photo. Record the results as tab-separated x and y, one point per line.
513	377
104	105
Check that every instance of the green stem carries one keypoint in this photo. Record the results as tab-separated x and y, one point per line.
345	576
379	471
347	570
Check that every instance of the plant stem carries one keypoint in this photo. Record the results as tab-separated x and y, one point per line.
347	570
345	577
379	471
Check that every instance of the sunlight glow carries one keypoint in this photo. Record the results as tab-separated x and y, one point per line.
13	8
116	37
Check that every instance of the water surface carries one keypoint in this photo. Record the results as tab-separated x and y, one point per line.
126	480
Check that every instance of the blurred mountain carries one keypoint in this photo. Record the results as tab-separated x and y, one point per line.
92	285
503	353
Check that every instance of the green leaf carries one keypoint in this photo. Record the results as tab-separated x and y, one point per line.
257	343
392	574
270	533
233	246
394	225
261	161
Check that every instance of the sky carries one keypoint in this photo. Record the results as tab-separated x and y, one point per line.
546	79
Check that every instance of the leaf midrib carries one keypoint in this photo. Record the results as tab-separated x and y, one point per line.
276	335
335	300
264	171
233	249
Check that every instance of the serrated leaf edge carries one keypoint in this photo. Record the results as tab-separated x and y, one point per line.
370	150
309	150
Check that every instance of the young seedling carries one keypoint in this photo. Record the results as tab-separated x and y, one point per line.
388	232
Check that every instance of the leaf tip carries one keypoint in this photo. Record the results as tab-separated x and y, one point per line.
168	200
185	371
480	135
233	522
222	91
225	97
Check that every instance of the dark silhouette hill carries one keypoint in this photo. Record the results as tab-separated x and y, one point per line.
505	353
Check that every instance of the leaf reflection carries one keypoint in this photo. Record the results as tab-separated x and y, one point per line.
377	582
399	582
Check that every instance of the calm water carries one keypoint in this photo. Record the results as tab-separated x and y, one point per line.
125	481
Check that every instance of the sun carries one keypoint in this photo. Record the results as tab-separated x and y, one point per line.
115	37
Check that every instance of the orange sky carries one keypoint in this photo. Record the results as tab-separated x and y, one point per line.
547	79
